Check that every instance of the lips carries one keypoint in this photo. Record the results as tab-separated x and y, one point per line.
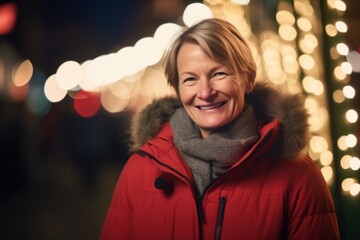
211	106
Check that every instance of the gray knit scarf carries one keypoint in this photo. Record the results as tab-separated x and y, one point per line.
211	157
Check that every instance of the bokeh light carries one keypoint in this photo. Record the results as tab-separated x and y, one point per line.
68	75
52	90
86	104
196	12
8	14
22	73
351	116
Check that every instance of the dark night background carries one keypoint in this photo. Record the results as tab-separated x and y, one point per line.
58	171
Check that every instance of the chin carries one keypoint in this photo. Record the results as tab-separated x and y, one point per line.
209	126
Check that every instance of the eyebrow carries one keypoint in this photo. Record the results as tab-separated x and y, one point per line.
215	68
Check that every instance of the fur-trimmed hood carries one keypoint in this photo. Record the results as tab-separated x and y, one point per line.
268	102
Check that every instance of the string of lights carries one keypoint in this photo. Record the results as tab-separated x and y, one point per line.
344	117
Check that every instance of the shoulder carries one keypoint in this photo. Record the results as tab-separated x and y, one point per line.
294	178
308	192
301	172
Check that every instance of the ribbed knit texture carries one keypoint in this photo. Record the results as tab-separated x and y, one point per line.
211	157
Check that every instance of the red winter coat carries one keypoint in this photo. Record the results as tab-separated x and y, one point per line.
263	196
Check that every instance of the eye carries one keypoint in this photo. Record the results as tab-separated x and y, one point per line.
188	80
219	75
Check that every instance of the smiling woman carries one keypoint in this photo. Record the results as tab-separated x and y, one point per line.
209	75
225	158
211	95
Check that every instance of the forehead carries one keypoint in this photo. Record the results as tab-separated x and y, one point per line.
191	54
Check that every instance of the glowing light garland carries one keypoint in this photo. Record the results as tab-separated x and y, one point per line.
342	95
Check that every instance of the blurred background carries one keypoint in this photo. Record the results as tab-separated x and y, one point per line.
74	73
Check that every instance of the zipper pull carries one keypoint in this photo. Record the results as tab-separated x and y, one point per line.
199	207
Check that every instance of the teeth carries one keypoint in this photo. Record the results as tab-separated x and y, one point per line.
211	107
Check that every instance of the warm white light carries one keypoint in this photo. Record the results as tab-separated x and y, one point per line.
111	103
351	116
120	89
351	140
22	73
287	32
327	172
326	158
318	144
339	73
346	184
308	43
345	162
318	87
349	92
149	51
165	33
285	17
355	163
312	85
340	5
52	90
331	4
303	8
306	61
241	2
346	67
341	26
101	70
311	105
195	12
68	75
85	83
341	143
342	49
128	61
331	30
354	189
304	24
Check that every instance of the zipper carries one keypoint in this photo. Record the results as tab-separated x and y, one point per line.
198	198
220	218
222	202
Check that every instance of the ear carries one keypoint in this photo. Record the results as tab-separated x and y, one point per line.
250	86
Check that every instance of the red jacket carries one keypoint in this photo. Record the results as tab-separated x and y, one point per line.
263	196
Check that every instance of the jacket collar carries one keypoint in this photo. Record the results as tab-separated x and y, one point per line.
269	104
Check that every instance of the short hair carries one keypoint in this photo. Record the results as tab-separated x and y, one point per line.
221	41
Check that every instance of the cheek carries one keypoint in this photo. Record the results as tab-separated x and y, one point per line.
238	87
184	96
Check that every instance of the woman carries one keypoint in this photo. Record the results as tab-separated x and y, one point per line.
224	162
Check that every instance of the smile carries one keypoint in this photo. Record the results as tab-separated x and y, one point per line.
211	107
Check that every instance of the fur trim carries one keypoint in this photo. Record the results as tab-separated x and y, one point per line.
271	103
148	121
268	103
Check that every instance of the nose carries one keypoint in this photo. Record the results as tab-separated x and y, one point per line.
206	89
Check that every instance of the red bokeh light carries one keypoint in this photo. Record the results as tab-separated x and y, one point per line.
8	13
86	104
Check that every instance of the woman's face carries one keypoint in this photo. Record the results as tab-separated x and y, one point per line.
212	94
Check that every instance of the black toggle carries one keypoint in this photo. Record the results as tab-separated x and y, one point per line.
164	183
160	183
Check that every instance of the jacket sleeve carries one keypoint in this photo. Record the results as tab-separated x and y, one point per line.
310	206
117	224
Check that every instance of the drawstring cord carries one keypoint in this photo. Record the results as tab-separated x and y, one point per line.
220	218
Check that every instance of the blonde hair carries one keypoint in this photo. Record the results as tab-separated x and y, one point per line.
221	41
